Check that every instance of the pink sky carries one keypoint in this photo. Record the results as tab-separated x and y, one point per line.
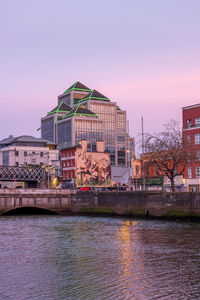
142	54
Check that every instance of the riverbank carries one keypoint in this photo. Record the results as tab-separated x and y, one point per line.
122	203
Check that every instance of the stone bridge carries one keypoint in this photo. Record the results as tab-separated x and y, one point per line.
47	201
156	204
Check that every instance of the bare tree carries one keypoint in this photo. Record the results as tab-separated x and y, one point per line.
167	151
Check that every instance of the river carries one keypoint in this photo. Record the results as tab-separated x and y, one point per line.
52	257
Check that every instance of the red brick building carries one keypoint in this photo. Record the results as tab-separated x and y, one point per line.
81	166
191	136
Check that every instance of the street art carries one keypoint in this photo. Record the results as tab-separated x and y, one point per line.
98	166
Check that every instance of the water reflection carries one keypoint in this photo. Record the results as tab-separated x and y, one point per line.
87	258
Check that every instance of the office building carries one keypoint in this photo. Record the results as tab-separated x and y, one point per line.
89	115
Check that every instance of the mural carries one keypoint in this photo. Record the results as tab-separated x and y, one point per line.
100	168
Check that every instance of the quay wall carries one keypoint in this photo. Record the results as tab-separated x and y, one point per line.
155	204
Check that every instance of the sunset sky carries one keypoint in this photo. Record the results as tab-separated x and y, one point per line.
143	54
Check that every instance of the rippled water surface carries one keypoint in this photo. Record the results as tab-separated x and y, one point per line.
51	257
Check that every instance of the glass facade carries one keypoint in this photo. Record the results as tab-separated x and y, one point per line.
90	130
48	129
121	138
65	132
107	113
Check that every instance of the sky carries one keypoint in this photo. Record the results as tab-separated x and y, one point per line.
142	54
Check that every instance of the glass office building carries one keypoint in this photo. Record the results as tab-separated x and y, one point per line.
92	116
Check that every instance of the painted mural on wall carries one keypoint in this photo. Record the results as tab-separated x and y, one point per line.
100	168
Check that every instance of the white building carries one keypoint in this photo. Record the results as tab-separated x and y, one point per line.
29	151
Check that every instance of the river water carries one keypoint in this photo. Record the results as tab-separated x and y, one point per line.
52	257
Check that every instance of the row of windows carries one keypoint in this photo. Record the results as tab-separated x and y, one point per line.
66	153
197	172
88	125
27	154
69	174
25	164
87	135
121	117
103	108
196	138
68	163
196	122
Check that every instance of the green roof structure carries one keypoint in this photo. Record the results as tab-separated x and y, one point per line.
95	95
62	107
80	110
78	86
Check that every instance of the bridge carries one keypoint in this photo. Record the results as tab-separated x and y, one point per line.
14	201
26	174
65	202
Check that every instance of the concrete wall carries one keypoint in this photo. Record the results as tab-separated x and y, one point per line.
123	203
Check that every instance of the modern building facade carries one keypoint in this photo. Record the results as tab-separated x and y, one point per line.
89	115
84	167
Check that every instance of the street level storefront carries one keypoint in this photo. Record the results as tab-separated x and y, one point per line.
152	183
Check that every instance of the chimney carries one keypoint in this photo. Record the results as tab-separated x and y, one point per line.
84	144
100	146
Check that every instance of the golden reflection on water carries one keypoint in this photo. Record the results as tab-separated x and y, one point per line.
124	239
131	261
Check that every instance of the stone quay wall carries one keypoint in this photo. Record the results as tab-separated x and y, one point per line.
155	204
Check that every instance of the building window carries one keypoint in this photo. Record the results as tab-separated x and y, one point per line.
41	164
197	155
41	154
197	172
197	121
188	156
189	172
197	138
25	153
17	164
188	122
188	138
16	153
